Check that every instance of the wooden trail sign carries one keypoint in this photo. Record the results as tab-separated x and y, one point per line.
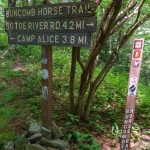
134	75
51	11
67	24
57	39
80	24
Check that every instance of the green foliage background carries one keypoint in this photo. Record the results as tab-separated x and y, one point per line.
109	100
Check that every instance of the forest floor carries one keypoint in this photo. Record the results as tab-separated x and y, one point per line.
15	112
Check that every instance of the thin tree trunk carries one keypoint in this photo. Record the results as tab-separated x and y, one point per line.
112	59
89	100
84	82
72	78
110	20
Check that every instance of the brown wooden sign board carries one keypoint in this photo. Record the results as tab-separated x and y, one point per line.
134	75
51	11
82	24
55	39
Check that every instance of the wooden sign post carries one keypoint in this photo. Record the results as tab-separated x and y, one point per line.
47	85
47	89
67	24
134	75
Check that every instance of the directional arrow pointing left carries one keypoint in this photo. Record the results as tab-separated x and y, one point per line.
12	38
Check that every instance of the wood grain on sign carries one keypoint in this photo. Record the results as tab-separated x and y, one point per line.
51	11
134	75
73	39
82	24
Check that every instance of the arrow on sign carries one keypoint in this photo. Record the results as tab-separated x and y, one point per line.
90	24
12	38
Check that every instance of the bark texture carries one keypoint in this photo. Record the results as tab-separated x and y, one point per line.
115	16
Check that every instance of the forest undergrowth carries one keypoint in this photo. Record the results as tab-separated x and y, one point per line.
20	102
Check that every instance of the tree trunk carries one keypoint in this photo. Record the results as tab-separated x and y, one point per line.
114	16
112	59
72	78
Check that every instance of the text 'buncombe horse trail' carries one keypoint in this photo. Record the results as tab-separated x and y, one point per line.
55	10
67	24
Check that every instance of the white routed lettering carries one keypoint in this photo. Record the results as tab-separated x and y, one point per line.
7	26
72	39
51	39
52	25
64	39
82	39
69	9
48	39
57	25
39	39
48	11
80	25
20	12
56	38
85	39
46	25
29	25
11	26
19	38
55	10
15	12
74	9
81	9
7	13
40	11
71	25
43	39
60	10
26	38
64	25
